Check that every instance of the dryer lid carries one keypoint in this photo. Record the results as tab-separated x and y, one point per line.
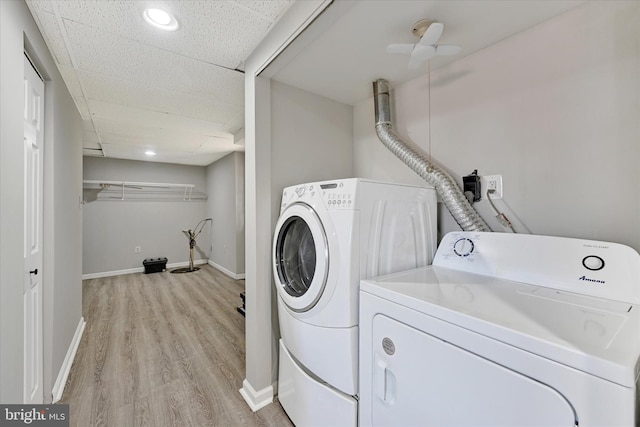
596	336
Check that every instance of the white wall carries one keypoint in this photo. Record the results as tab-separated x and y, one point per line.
311	140
225	187
62	305
292	137
112	229
62	227
554	109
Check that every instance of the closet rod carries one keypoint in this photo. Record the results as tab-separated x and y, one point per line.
137	184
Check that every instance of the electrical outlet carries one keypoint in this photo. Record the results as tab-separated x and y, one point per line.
492	182
137	249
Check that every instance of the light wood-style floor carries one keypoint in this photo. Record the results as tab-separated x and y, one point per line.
163	349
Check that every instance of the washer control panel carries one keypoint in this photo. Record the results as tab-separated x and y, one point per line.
298	193
339	194
600	269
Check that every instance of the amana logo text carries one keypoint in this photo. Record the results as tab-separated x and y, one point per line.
591	280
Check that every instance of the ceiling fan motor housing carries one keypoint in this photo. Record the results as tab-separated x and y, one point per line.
420	27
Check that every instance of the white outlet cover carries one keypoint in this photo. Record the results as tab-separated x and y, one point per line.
486	179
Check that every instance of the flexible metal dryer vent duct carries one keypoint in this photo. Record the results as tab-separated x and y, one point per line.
462	211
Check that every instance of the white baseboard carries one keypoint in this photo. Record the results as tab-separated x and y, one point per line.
138	270
112	273
256	399
58	387
236	276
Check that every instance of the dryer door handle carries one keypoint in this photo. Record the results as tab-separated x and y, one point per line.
384	382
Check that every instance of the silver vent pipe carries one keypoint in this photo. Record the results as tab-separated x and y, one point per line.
464	214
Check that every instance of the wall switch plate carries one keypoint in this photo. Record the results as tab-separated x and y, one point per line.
492	182
137	249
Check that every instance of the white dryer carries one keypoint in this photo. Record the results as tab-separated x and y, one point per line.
504	330
330	235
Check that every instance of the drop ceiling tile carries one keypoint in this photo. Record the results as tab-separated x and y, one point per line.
116	56
145	143
127	59
271	10
217	147
109	89
143	88
231	31
190	149
43	5
53	36
136	116
218	20
218	141
149	131
186	143
167	155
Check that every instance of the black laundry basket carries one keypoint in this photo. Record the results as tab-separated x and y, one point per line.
154	265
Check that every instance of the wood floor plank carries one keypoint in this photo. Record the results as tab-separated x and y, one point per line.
161	350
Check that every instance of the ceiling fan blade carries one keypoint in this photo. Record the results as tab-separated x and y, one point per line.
423	52
405	48
447	50
432	34
415	62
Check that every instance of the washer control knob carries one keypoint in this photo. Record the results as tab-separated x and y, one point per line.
593	262
463	247
300	191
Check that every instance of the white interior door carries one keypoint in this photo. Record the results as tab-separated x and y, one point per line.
33	140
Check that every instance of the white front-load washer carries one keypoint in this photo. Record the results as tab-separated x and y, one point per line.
330	235
504	330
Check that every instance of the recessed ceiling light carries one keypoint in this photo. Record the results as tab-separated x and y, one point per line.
160	19
150	153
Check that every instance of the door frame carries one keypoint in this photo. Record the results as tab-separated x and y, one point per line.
33	248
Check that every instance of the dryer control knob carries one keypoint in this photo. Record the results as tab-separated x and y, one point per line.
463	247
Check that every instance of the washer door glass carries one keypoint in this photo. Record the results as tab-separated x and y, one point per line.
296	254
300	257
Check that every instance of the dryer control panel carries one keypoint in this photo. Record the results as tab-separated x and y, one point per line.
600	269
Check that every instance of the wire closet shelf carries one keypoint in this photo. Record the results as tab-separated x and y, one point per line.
103	190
